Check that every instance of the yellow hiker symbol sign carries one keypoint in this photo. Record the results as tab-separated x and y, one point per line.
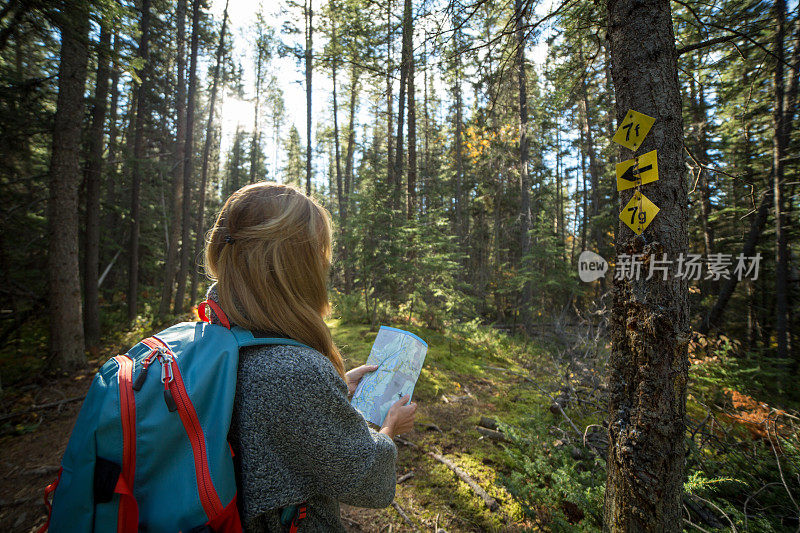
633	129
637	171
639	213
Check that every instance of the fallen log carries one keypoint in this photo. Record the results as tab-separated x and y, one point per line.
35	408
405	477
490	502
404	516
489	423
492	434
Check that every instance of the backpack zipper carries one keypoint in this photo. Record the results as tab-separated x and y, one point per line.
175	391
128	515
137	385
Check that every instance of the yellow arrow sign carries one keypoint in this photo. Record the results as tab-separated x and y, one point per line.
639	213
638	171
633	129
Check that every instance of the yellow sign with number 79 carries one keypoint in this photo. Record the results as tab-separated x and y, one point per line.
639	213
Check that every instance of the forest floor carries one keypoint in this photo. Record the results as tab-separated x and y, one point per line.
547	398
454	391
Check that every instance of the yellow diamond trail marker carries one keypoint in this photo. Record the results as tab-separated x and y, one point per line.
635	172
633	129
639	213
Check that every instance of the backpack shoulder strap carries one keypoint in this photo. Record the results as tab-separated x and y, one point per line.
246	338
243	337
201	310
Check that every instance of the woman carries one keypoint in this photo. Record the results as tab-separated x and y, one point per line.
296	438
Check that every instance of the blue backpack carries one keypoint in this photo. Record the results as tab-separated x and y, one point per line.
149	448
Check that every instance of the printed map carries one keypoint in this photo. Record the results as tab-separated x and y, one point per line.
399	356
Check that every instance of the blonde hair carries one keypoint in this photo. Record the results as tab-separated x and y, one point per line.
269	252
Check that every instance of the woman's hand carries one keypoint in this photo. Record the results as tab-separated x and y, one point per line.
400	417
355	375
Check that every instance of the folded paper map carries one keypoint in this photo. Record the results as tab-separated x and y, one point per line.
399	356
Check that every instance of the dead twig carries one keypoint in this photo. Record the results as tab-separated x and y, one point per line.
489	423
352	522
39	408
555	404
405	477
41	471
689	522
750	497
490	502
18	501
403	515
492	434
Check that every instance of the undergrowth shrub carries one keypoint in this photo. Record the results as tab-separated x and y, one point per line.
556	484
743	455
348	307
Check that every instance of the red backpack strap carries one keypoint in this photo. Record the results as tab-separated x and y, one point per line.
48	490
128	518
201	310
298	518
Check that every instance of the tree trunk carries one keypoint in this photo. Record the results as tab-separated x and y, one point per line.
66	319
337	148
779	143
594	171
426	137
177	174
340	195
390	177
188	169
648	367
700	149
584	189
405	60
760	220
412	144
309	20
93	173
524	180
348	175
111	220
712	319
256	142
138	158
459	148
199	233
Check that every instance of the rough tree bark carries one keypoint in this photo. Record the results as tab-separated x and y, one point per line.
93	173
594	170
138	158
111	219
390	178
779	143
650	317
199	232
188	168
524	179
66	319
412	144
177	173
458	141
348	175
337	147
759	221
255	146
405	62
309	54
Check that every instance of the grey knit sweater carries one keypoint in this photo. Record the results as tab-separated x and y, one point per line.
297	438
